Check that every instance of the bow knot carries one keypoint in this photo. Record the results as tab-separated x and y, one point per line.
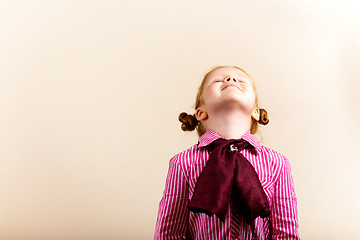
226	173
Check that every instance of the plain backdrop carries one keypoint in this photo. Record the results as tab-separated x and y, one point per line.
90	92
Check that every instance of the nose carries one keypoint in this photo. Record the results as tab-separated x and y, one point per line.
230	78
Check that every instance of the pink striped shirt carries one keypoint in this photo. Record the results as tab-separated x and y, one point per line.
175	221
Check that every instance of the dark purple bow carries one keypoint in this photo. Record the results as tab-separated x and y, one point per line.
226	173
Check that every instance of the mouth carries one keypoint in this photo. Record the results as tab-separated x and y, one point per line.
231	85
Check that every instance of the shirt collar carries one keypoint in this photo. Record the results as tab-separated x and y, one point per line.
209	136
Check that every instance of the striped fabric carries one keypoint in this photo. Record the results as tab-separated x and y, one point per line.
175	221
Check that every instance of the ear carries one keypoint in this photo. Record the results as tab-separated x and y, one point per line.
256	114
200	114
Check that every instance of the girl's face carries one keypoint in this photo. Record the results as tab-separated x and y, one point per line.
228	86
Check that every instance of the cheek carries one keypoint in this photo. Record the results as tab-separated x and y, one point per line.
252	98
208	95
252	95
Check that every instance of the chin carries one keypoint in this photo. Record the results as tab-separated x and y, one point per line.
234	98
236	102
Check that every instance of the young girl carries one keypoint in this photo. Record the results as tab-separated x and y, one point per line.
228	185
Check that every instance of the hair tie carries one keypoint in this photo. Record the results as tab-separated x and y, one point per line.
263	118
189	122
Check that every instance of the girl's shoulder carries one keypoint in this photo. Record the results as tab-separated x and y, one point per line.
271	152
264	153
273	157
187	157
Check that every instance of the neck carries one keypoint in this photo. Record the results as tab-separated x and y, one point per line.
230	125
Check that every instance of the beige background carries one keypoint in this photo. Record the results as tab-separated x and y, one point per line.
90	92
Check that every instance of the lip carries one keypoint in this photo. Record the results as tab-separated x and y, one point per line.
231	85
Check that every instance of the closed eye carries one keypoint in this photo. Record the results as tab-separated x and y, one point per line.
244	81
217	80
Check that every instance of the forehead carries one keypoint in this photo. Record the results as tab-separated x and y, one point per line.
223	71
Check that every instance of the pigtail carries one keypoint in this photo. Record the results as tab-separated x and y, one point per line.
189	122
264	119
